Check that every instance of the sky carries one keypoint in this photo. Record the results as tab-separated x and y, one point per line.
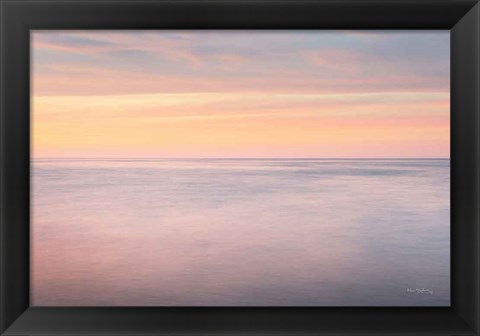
298	94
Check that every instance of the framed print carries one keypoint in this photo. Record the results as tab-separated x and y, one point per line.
239	167
190	161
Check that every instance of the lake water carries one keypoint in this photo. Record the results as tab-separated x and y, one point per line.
240	232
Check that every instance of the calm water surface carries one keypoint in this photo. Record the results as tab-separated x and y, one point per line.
243	232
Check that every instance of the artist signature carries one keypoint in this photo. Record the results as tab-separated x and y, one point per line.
420	290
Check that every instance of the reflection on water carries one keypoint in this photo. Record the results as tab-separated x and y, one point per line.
243	232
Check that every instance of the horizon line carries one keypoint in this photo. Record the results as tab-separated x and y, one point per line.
240	158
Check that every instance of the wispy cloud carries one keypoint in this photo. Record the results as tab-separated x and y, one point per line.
357	93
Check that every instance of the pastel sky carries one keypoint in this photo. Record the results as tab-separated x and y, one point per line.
334	94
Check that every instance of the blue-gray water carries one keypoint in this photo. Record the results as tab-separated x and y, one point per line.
241	232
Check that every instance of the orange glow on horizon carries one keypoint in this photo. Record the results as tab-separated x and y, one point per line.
201	125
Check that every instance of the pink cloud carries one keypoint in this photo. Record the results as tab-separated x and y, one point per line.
336	60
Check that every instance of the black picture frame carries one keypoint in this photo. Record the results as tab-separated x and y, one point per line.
18	17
